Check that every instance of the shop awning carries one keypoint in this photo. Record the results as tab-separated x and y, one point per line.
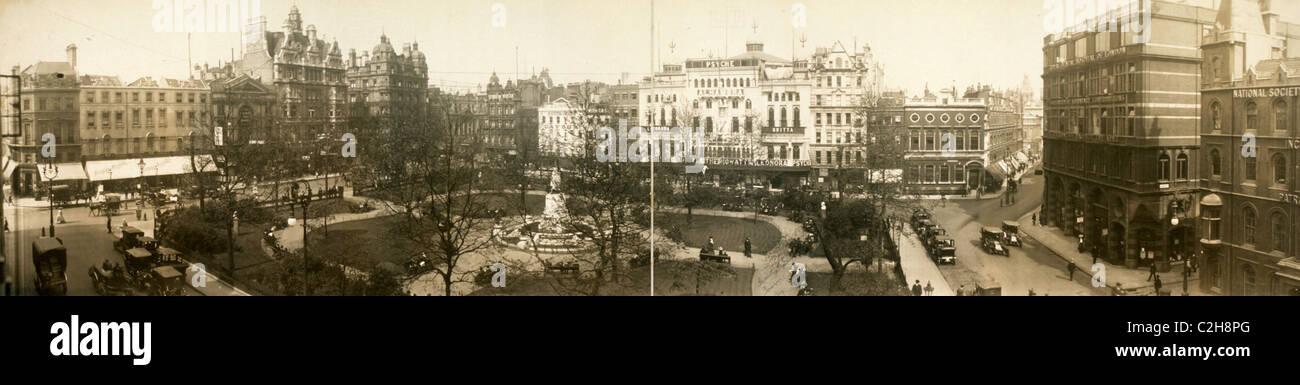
119	169
9	165
67	171
1024	159
997	171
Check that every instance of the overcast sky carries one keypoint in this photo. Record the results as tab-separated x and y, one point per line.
937	41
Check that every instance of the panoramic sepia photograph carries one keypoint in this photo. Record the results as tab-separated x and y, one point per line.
650	148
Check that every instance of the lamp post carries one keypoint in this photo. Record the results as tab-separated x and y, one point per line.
50	171
303	198
139	190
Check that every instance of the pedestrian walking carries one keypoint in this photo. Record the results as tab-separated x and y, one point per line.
961	291
1158	284
1071	268
1153	272
929	289
748	248
110	223
1035	219
916	288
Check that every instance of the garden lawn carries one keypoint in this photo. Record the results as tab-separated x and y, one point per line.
728	233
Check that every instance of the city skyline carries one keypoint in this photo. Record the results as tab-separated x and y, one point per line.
621	45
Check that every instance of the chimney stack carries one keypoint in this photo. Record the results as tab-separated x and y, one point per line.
72	55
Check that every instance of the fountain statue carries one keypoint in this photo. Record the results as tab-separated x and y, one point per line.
555	233
554	213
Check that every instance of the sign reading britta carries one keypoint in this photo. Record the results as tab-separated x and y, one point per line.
1270	92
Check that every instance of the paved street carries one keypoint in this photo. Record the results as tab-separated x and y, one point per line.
1032	267
88	242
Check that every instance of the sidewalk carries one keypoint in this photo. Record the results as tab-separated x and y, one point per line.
917	265
1132	281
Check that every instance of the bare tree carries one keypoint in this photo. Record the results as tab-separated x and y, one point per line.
429	177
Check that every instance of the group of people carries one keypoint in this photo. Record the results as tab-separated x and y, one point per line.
928	290
748	247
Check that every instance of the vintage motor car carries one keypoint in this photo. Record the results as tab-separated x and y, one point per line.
917	217
129	239
1011	230
942	249
166	281
50	258
945	255
111	279
923	229
991	241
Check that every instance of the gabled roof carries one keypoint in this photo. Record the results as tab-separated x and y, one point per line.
100	81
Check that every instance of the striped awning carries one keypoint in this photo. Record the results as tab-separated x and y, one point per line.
67	171
100	170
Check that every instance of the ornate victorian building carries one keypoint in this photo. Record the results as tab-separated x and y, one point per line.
50	97
1121	121
385	83
1250	145
306	73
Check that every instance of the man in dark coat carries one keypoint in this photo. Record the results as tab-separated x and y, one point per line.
916	288
1153	272
1158	284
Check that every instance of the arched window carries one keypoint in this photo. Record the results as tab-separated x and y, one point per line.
1281	240
1252	116
1247	279
1248	170
695	103
1248	219
1216	116
1181	166
1279	116
1164	167
771	117
748	104
735	124
1279	169
783	118
796	117
1216	164
708	124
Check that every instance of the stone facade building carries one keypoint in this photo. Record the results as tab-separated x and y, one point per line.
1249	153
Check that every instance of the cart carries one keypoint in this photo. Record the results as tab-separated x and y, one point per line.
1011	230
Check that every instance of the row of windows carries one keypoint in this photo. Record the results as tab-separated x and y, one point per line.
1250	168
708	103
1104	80
838	81
719	83
1280	115
943	173
183	119
110	146
1111	121
931	140
49	104
838	119
1250	223
180	97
